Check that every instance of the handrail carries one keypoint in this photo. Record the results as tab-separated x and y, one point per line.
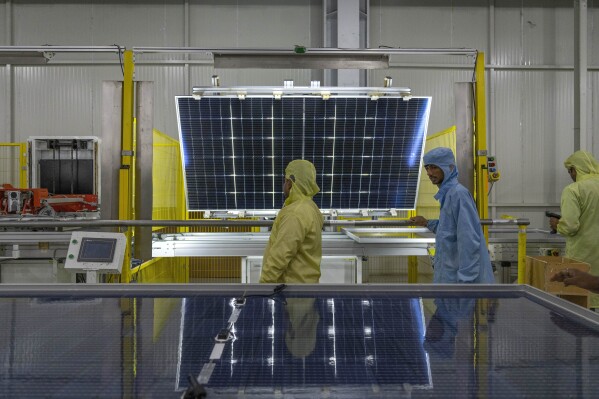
53	223
25	223
63	49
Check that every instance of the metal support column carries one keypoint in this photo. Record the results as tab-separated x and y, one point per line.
143	168
112	110
126	210
348	36
345	25
582	140
9	92
464	114
480	142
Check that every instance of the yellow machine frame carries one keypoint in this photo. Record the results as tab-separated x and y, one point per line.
126	210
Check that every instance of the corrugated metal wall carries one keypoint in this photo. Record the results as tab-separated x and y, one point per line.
529	54
5	94
59	100
528	47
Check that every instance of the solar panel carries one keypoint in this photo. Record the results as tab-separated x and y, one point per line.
326	341
309	342
367	153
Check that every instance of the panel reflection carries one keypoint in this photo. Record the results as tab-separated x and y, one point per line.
309	342
374	344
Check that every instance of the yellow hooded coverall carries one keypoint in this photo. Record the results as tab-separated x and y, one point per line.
294	248
580	213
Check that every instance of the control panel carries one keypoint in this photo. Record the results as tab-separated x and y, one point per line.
96	251
494	174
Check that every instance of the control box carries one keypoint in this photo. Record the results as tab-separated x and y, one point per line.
505	253
549	251
492	168
96	251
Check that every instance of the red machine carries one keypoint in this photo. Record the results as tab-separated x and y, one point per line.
63	176
37	201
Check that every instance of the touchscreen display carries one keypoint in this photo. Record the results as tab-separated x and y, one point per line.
97	250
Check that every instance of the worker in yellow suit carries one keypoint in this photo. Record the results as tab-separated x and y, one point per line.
579	222
294	249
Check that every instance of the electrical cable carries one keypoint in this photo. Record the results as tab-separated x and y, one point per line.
274	296
120	58
490	188
195	390
474	71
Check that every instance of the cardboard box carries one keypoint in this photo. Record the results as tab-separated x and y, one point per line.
580	300
540	269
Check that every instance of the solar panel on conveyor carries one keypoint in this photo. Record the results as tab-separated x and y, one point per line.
320	341
367	153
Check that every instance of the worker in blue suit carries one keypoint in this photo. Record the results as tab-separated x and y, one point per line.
450	341
461	254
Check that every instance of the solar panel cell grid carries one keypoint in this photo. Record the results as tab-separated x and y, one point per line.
367	153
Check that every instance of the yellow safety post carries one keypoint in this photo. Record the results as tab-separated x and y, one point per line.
412	260
23	165
521	253
127	159
480	142
412	269
183	264
22	172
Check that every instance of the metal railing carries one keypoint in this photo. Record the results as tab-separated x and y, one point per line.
37	223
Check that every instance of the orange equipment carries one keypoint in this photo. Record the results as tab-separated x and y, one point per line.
37	201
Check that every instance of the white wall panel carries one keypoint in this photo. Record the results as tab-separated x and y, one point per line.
4	104
593	35
538	36
437	83
98	23
535	34
533	135
4	28
395	24
59	100
532	110
508	35
168	83
403	26
470	27
231	23
563	26
508	136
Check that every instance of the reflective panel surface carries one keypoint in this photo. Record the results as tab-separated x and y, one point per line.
372	342
367	153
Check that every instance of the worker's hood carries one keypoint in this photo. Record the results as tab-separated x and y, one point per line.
584	163
444	159
303	175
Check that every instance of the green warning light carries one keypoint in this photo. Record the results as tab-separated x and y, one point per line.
299	49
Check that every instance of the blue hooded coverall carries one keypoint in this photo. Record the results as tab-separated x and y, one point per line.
461	254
